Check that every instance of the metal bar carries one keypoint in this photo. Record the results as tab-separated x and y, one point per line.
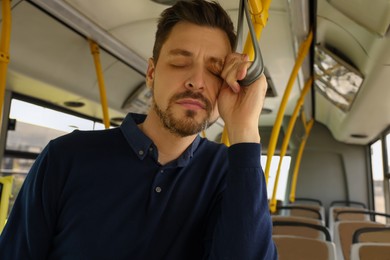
4	50
286	141
298	160
103	98
305	46
4	201
225	137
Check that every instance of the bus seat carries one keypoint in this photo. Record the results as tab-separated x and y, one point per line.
320	209
302	248
343	235
312	203
300	226
307	211
370	251
372	234
334	212
340	205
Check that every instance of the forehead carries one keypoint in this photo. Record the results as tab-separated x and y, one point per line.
208	41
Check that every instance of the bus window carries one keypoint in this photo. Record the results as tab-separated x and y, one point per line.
282	183
32	128
377	176
388	152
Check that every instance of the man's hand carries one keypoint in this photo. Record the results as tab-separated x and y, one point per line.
240	106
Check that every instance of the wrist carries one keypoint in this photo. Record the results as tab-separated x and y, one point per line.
243	135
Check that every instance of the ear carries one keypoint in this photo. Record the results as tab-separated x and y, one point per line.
150	73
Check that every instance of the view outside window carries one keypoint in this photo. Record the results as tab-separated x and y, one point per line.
282	183
35	126
388	152
377	175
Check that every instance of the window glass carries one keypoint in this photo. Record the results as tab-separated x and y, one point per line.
282	182
388	152
35	126
377	176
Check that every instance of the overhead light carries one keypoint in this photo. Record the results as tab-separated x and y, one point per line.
362	136
74	104
337	80
166	2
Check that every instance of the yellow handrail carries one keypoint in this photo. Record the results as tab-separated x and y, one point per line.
259	12
4	50
4	201
308	128
103	98
286	140
305	46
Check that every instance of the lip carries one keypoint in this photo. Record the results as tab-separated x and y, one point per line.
190	103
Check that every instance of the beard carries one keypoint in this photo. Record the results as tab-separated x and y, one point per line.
188	125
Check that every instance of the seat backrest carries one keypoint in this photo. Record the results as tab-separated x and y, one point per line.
318	208
343	234
347	204
307	211
335	211
370	251
372	234
300	226
293	248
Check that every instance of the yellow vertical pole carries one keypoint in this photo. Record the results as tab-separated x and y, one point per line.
286	140
4	201
305	46
308	128
103	98
259	11
4	50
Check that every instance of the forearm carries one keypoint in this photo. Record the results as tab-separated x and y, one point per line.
244	229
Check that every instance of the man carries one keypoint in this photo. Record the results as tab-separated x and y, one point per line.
153	189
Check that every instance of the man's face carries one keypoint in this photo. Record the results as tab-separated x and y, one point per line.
185	81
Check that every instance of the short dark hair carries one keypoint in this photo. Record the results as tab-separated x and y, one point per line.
199	12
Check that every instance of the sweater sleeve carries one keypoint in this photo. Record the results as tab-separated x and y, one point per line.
29	228
243	227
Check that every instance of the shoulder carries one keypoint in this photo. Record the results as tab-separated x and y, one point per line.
85	141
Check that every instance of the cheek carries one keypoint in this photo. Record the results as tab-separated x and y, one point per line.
160	90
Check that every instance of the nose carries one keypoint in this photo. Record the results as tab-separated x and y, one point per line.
196	80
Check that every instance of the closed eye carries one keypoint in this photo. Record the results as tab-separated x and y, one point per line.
178	65
215	69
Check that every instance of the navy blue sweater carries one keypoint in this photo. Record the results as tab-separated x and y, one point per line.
103	195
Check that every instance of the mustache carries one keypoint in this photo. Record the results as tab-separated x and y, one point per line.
193	95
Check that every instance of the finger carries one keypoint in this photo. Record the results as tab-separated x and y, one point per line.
235	68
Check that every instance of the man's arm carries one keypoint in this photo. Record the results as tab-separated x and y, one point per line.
243	227
28	230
